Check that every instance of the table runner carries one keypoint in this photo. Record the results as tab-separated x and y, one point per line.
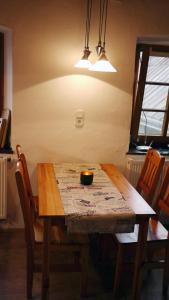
95	208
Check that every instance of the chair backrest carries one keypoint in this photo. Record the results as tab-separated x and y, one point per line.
22	157
18	150
25	205
150	175
162	202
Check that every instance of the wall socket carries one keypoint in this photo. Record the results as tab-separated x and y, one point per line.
79	118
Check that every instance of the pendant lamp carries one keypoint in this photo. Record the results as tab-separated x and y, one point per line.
84	62
102	64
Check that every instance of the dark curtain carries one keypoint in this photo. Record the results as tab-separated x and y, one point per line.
1	71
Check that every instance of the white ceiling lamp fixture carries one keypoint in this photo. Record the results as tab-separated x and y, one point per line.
102	64
84	62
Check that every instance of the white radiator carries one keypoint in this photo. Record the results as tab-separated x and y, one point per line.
134	166
3	187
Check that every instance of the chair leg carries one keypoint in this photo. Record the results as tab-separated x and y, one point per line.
166	271
77	258
45	293
84	269
46	253
103	247
118	270
29	276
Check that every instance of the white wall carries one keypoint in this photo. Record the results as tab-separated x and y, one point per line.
52	136
48	39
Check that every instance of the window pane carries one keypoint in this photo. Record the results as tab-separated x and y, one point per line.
155	96
158	69
151	123
168	130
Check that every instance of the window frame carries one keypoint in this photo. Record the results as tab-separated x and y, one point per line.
138	95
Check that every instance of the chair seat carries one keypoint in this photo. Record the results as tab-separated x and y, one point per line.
59	235
154	234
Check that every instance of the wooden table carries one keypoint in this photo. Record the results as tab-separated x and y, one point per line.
50	206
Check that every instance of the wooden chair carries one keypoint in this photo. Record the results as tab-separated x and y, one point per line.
76	244
146	186
33	199
150	174
157	238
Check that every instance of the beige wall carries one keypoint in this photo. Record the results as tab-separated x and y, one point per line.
48	39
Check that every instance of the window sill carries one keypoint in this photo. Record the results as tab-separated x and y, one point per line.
6	151
134	151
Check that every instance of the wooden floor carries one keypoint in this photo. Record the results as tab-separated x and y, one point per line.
64	286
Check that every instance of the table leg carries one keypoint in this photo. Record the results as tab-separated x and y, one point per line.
140	254
45	258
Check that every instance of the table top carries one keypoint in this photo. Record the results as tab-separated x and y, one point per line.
50	203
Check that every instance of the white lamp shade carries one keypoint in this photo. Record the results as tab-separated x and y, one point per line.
102	65
83	63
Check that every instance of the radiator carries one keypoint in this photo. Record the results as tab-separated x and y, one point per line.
3	187
134	166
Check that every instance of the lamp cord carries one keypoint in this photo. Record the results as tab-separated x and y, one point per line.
88	20
101	20
102	23
105	23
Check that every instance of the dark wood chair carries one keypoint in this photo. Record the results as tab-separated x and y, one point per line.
75	244
157	238
33	198
150	175
146	186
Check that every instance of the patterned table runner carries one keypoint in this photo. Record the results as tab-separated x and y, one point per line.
95	208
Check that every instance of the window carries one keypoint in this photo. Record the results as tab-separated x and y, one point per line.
150	113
